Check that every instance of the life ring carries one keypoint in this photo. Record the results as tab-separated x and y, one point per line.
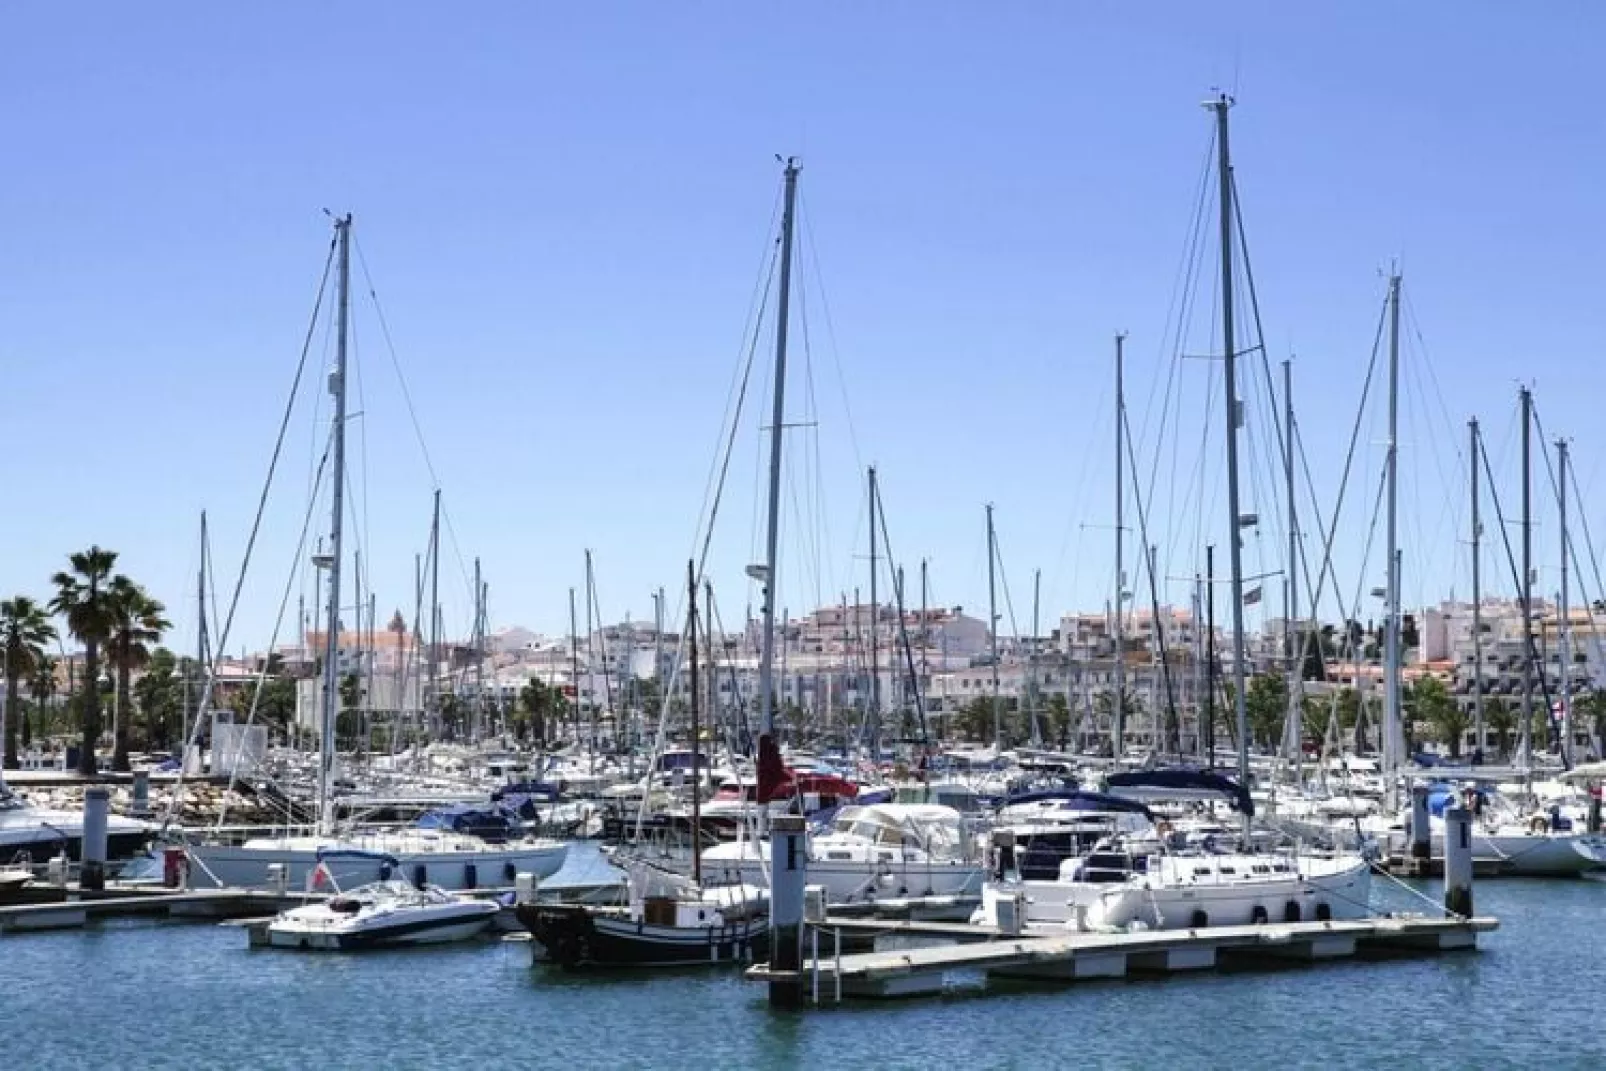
1539	824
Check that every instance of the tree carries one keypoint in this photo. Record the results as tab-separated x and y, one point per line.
1266	707
159	694
1435	706
41	686
24	631
975	719
1498	715
83	599
137	622
1590	709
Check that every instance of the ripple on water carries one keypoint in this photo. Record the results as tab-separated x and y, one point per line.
137	995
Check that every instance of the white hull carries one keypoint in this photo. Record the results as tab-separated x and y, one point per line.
486	866
330	940
1339	894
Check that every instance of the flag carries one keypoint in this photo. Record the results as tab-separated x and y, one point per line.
1251	596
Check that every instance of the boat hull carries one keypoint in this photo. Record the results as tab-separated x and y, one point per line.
246	866
1341	894
425	931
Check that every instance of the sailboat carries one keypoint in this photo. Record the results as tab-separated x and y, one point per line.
1176	877
441	857
670	920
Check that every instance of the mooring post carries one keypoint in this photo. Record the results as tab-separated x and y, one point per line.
92	873
1458	862
789	871
140	801
1421	829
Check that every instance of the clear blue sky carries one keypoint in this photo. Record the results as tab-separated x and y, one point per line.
564	208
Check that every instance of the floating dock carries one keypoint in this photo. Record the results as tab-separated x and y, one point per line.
900	972
70	908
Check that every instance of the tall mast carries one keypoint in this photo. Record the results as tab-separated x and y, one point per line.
591	661
1565	637
1118	716
696	742
1527	579
766	662
1294	739
925	632
1037	594
992	629
574	664
477	727
1210	659
1392	723
203	661
874	715
432	701
1229	357
1477	594
331	672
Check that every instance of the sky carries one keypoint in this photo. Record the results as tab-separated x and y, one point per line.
564	211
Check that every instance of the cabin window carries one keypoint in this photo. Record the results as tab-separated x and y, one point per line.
1229	870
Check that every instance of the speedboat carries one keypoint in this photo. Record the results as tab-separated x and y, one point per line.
381	914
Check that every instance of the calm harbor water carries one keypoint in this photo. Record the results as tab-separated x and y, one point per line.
142	995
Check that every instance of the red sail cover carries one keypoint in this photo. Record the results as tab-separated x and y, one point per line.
774	781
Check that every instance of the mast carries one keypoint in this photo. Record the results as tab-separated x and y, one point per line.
766	662
1565	637
475	728
874	715
574	666
591	663
1210	658
696	742
1037	594
1526	735
992	630
1392	723
1477	594
203	661
1229	356
1294	739
1118	717
433	706
331	672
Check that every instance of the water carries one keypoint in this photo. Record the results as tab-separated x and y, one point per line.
140	995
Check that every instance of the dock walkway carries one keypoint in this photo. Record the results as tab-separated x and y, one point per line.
1072	956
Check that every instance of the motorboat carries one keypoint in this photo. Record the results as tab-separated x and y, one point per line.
670	921
380	914
39	833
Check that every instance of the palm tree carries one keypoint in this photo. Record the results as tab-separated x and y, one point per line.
41	686
137	622
25	628
83	598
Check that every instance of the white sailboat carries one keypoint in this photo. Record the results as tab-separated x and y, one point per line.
425	856
1167	879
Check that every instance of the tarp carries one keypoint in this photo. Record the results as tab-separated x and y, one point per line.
1187	780
493	824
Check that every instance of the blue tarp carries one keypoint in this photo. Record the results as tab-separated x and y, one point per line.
1187	780
494	824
